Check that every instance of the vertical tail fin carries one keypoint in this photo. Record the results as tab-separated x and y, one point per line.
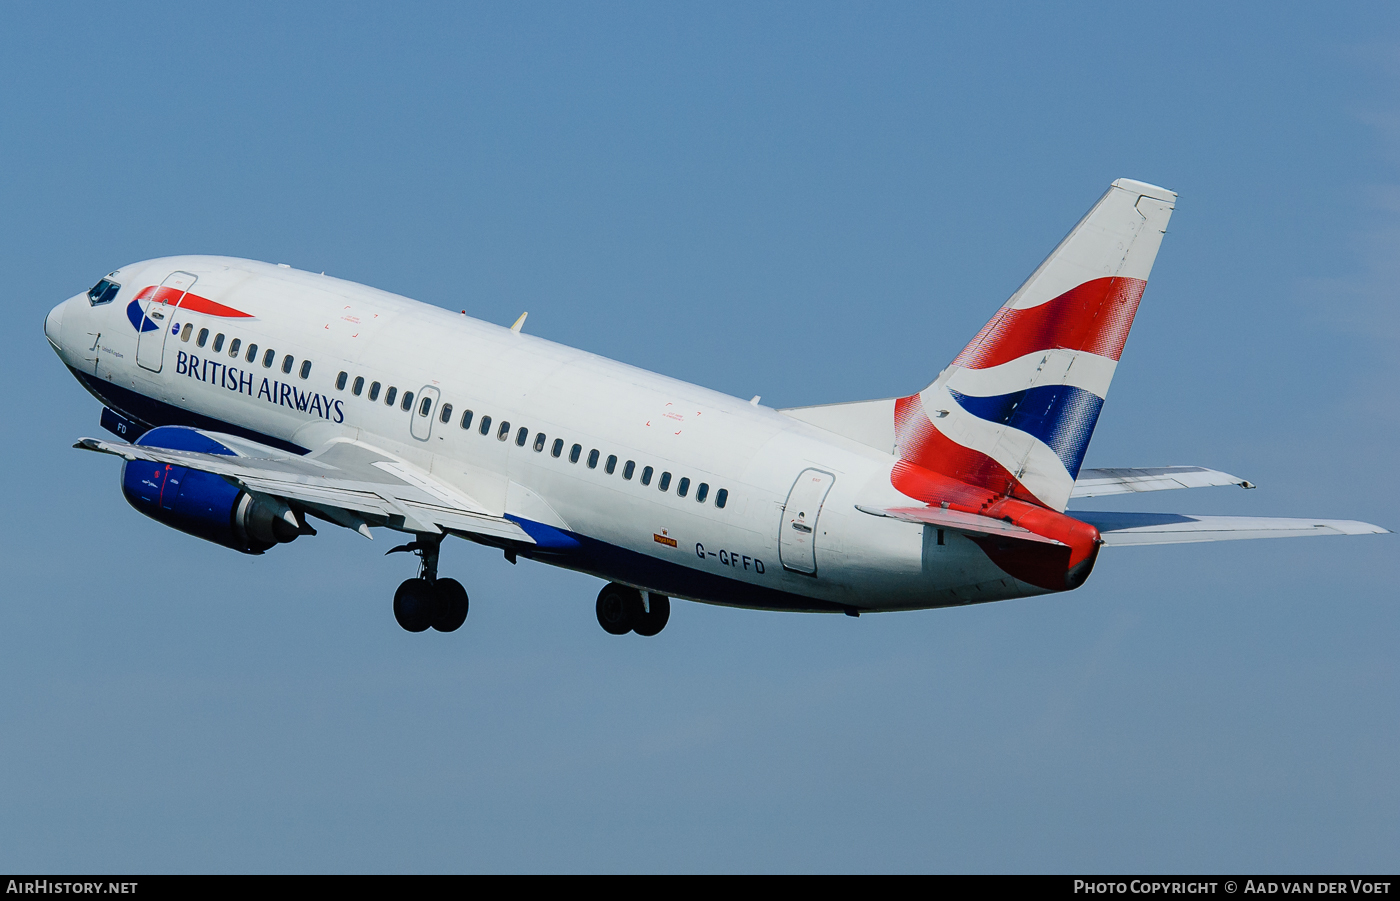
1015	410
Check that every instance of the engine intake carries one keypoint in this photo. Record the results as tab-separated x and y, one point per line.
201	503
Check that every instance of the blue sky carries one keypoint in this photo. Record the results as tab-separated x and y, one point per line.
804	201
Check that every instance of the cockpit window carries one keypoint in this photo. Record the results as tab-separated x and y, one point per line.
104	291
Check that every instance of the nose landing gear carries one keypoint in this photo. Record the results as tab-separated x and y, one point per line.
428	601
622	609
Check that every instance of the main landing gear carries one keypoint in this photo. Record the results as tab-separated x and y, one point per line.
427	600
622	610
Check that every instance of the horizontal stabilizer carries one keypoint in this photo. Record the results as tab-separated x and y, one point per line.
1177	528
968	523
1101	482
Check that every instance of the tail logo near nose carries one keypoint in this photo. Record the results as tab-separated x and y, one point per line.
192	303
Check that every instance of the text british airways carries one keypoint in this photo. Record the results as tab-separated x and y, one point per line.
241	381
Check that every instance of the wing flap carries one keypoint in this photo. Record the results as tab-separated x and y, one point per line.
1123	529
1102	482
351	477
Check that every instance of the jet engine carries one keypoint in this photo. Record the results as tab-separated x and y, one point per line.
201	503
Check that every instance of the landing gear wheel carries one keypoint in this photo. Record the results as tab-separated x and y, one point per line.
414	605
615	606
644	623
451	605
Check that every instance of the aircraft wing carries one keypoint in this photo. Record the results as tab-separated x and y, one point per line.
1177	528
348	482
1101	482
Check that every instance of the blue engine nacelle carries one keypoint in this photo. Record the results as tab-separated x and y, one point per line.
201	503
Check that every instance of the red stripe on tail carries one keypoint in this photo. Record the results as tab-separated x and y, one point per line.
1094	317
1049	567
921	443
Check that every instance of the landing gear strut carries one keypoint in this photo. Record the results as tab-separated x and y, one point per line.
622	609
427	600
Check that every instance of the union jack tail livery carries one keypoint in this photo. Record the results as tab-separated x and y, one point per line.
1014	412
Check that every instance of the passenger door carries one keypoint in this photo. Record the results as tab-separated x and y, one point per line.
798	532
159	309
424	410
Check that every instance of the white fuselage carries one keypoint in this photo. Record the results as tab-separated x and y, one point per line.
634	534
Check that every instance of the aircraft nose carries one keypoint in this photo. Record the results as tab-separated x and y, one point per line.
53	325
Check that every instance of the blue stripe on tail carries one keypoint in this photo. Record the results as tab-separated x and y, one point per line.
1061	416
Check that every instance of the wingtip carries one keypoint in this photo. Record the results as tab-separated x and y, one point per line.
93	444
1356	527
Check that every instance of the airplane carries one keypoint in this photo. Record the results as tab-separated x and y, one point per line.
252	399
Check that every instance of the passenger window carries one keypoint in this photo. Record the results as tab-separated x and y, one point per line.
558	447
466	419
358	385
611	464
305	368
683	487
593	458
374	391
425	406
486	425
503	432
233	346
646	475
664	482
407	401
574	452
721	497
340	381
252	353
268	358
186	331
445	414
203	337
390	395
539	442
522	436
287	363
702	491
218	342
628	469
